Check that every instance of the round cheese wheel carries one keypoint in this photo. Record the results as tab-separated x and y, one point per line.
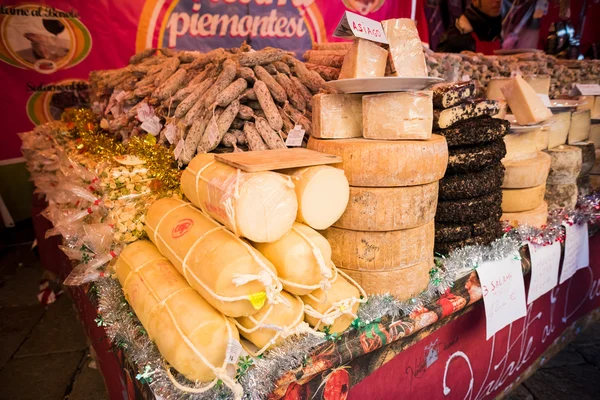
588	156
166	306
584	185
322	301
389	209
474	184
536	217
214	257
299	257
281	315
475	158
517	200
260	206
361	250
477	130
519	174
385	163
525	145
402	283
596	168
565	165
484	239
469	210
561	196
456	232
322	192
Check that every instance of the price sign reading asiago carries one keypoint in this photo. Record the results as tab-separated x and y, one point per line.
354	25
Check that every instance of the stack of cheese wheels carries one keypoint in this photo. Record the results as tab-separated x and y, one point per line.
588	160
565	167
526	171
468	210
189	333
384	240
594	176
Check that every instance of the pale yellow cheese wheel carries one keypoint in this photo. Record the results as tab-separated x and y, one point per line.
525	145
216	256
294	258
377	251
389	209
260	206
340	289
517	200
148	280
388	163
519	174
403	283
280	315
536	217
322	192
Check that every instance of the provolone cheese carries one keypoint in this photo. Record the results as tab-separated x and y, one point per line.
525	145
536	217
376	251
388	209
175	316
405	47
524	102
525	173
260	206
565	165
517	200
322	193
365	59
402	283
337	116
580	126
494	88
398	115
381	163
561	196
558	130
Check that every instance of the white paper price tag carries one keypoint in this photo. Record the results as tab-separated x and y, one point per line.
545	263
588	89
152	125
170	133
178	149
144	112
116	111
503	290
295	137
234	349
354	25
465	78
120	96
577	251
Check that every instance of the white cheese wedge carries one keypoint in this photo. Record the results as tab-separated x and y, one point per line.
558	130
524	102
581	122
406	48
337	116
365	59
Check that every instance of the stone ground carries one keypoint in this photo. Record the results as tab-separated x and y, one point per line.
44	353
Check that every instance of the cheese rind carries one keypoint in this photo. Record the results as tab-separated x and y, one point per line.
403	283
322	192
365	59
525	145
565	165
389	209
406	48
580	126
381	163
399	115
558	130
588	156
378	251
524	102
446	95
536	217
596	108
518	200
595	135
520	174
337	116
561	196
443	119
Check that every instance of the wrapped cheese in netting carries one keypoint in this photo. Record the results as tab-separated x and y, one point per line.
190	334
260	206
227	271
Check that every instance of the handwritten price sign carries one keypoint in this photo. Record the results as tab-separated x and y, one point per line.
354	25
577	250
545	262
503	293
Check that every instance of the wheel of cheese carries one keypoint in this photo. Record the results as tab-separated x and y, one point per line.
446	95
260	206
536	217
558	129
525	145
383	163
299	256
209	256
519	174
561	196
361	250
167	306
281	315
588	156
584	185
596	168
595	181
403	283
469	210
475	158
473	131
595	134
517	200
565	165
446	118
580	126
485	239
322	192
389	209
322	300
457	232
474	184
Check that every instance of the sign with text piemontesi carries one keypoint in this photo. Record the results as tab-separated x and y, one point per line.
545	263
588	89
354	25
503	293
577	250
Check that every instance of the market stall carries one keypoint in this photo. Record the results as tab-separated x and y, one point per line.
241	223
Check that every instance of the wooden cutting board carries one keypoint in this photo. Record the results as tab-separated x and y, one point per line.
268	160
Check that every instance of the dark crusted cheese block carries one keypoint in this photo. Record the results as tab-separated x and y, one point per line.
584	185
455	232
474	184
588	156
561	196
446	95
443	119
469	210
475	158
485	239
478	130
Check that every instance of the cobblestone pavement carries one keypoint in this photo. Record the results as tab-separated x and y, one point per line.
44	353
